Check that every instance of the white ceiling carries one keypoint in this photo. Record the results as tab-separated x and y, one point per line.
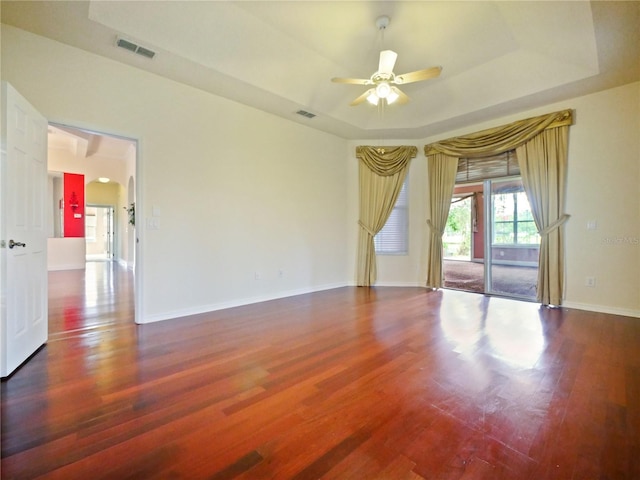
82	144
278	56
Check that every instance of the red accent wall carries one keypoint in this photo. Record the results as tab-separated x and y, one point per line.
73	205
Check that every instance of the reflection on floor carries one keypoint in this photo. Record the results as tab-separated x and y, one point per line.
98	296
507	279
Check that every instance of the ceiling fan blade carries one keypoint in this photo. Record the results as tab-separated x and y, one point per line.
402	97
352	81
418	75
387	61
361	98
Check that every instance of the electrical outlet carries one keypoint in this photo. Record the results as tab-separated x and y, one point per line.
590	281
257	276
281	273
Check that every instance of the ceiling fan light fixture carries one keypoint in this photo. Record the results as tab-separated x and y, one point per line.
383	89
392	96
372	98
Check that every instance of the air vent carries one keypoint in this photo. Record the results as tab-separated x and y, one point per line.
145	52
306	114
132	47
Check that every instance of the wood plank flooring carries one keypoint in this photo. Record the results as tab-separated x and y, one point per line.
351	383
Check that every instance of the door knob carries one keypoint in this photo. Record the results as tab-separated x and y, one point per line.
16	244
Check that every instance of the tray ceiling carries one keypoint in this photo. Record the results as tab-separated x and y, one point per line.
497	57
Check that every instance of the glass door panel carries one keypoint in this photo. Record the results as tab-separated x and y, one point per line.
512	242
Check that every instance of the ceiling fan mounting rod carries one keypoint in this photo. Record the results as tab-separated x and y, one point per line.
382	22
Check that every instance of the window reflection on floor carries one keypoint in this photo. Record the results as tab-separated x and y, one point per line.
503	329
512	339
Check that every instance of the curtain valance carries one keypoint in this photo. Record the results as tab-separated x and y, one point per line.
386	161
499	139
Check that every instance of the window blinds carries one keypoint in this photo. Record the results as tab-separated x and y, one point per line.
478	169
393	239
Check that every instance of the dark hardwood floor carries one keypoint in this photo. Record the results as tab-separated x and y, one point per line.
351	383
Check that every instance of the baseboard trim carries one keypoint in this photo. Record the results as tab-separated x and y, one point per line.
625	312
158	317
399	284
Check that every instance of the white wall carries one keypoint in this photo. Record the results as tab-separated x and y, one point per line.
603	185
66	253
234	191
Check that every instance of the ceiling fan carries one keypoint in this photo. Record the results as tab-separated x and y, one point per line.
384	82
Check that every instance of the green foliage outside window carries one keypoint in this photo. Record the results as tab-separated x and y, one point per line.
457	234
512	220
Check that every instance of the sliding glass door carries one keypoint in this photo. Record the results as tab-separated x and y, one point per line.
511	242
490	242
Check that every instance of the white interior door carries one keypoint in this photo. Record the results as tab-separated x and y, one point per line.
23	261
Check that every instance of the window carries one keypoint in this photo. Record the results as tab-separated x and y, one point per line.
393	239
512	220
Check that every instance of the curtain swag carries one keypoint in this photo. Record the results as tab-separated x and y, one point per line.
498	140
386	161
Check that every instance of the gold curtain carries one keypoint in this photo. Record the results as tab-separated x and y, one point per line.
442	171
543	164
497	140
382	171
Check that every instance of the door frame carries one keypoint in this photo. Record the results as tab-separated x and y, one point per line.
138	244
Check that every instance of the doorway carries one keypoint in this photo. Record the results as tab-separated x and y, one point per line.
99	232
109	166
492	221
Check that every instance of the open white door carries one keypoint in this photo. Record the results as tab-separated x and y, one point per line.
23	237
